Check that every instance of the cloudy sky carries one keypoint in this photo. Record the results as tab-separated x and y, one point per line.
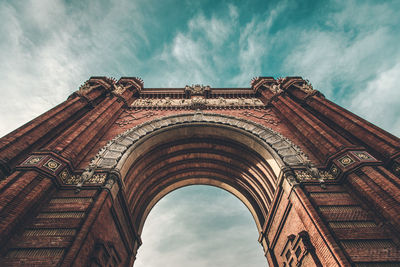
349	50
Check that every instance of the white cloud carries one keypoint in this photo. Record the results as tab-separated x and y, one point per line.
198	54
353	53
379	101
205	225
52	48
254	45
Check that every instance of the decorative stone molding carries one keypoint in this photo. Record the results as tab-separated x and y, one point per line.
58	168
304	175
47	163
350	160
108	156
75	179
197	102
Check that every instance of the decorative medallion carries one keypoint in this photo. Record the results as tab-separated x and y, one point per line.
52	165
33	160
346	161
363	155
334	170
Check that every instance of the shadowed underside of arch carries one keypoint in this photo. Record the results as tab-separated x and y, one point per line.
237	155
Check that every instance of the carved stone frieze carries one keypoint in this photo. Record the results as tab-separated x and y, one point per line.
307	175
84	179
195	102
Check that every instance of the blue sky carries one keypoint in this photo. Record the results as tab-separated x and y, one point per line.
349	50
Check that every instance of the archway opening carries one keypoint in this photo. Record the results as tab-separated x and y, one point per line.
237	155
200	226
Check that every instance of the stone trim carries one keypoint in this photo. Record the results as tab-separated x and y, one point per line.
108	156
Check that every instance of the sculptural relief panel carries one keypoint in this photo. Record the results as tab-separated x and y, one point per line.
213	102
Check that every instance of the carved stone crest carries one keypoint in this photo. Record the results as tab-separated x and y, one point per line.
84	88
196	89
307	87
119	89
276	88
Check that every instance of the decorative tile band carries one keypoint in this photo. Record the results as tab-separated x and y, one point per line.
352	159
58	168
47	163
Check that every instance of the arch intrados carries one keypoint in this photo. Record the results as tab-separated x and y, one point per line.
245	182
246	190
196	129
249	194
210	146
237	165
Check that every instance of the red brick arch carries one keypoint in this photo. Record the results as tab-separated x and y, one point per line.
237	155
58	207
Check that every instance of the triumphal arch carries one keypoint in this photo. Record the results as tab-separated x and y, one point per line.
78	181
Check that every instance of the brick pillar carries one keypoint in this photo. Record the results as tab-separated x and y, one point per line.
317	136
16	145
30	182
54	155
383	145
